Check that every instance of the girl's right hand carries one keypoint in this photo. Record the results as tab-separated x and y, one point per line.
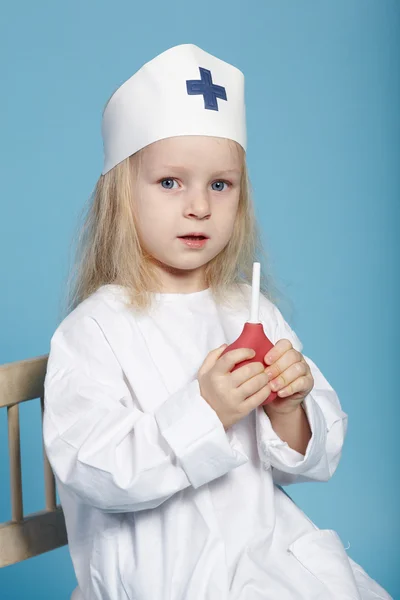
232	395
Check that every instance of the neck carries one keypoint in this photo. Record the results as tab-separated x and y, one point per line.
179	281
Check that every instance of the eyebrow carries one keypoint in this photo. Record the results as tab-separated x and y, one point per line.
181	168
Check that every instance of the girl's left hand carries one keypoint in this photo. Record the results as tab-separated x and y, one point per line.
289	375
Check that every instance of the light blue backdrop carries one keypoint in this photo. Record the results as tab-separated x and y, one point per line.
323	99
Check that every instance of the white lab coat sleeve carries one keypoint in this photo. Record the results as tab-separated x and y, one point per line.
111	454
328	424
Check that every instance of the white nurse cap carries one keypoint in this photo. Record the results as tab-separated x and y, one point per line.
183	91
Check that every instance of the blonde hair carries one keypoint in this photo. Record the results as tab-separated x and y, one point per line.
109	250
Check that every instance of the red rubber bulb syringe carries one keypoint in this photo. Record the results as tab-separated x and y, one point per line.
253	334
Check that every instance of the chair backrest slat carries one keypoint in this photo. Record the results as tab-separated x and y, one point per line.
27	535
22	380
41	532
14	448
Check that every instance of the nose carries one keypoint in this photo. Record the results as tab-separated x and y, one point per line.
198	204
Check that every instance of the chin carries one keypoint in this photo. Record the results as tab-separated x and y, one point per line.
193	261
181	266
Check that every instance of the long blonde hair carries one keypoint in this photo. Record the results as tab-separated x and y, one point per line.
109	251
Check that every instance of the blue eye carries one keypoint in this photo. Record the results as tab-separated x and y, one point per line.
169	183
217	186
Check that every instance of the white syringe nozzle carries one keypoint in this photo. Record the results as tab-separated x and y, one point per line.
255	294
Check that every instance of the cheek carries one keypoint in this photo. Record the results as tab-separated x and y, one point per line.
149	214
227	215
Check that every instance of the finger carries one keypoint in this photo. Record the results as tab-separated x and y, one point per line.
245	372
293	372
289	358
256	399
212	358
253	385
276	352
226	363
300	385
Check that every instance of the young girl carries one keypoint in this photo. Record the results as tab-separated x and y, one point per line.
168	463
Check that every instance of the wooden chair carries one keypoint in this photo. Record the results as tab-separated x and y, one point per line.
27	536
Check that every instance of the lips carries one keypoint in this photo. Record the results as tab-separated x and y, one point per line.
194	235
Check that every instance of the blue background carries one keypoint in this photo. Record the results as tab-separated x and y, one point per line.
323	99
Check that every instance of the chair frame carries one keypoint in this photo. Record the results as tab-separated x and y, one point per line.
27	536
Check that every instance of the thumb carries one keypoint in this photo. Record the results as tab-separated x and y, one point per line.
212	358
218	351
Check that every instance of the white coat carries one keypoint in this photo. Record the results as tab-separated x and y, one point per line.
160	502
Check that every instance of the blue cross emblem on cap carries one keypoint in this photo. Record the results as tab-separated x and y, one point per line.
207	88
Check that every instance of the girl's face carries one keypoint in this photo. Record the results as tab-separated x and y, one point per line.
187	184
